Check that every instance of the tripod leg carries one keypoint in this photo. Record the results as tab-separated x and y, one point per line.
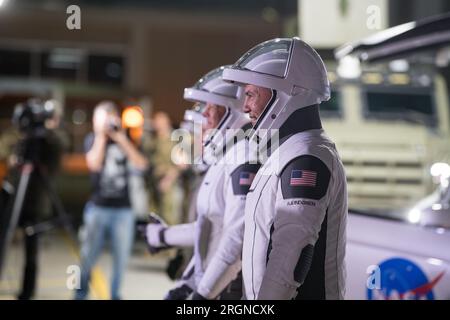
63	217
9	228
31	267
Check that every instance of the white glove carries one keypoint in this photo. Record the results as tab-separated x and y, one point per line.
153	234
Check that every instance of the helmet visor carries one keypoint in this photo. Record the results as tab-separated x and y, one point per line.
200	84
195	114
270	57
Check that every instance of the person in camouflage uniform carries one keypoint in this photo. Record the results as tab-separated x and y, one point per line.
164	172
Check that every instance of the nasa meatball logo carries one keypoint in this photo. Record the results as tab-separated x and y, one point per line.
402	279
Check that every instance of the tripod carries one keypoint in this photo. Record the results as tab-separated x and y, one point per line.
12	214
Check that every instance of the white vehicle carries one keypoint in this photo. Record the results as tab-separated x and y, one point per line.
402	258
402	129
403	253
389	115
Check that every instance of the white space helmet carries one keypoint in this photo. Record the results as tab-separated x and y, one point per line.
212	89
292	69
194	116
193	121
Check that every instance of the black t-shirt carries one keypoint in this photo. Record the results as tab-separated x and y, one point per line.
110	185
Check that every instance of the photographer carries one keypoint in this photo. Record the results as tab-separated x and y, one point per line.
109	156
42	143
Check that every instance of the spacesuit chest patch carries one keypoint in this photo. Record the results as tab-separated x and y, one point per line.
242	178
305	177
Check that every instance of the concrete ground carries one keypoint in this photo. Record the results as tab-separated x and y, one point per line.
145	277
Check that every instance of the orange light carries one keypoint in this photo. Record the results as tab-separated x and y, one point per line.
133	117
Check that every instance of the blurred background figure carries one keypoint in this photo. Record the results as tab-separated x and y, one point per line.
164	185
37	138
8	139
109	156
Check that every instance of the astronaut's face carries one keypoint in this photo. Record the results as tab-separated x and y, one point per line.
256	100
213	114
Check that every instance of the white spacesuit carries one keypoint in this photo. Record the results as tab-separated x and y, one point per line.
295	215
221	196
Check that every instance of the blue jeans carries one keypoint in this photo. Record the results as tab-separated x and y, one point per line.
99	222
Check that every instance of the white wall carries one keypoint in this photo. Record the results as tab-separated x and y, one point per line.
322	24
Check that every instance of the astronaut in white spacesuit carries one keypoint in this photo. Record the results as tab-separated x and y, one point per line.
296	209
217	233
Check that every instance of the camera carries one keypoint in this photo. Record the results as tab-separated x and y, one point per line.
30	117
114	125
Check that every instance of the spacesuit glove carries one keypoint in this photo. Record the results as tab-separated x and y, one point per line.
179	293
198	296
154	234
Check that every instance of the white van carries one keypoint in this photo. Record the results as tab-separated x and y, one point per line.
389	127
394	126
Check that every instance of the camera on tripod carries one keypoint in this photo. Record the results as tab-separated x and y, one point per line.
35	119
30	117
38	153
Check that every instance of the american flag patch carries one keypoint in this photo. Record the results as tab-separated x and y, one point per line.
305	178
246	178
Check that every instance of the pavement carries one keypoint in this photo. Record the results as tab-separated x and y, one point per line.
145	278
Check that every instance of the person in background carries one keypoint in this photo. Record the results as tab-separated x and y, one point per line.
37	206
165	172
109	155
